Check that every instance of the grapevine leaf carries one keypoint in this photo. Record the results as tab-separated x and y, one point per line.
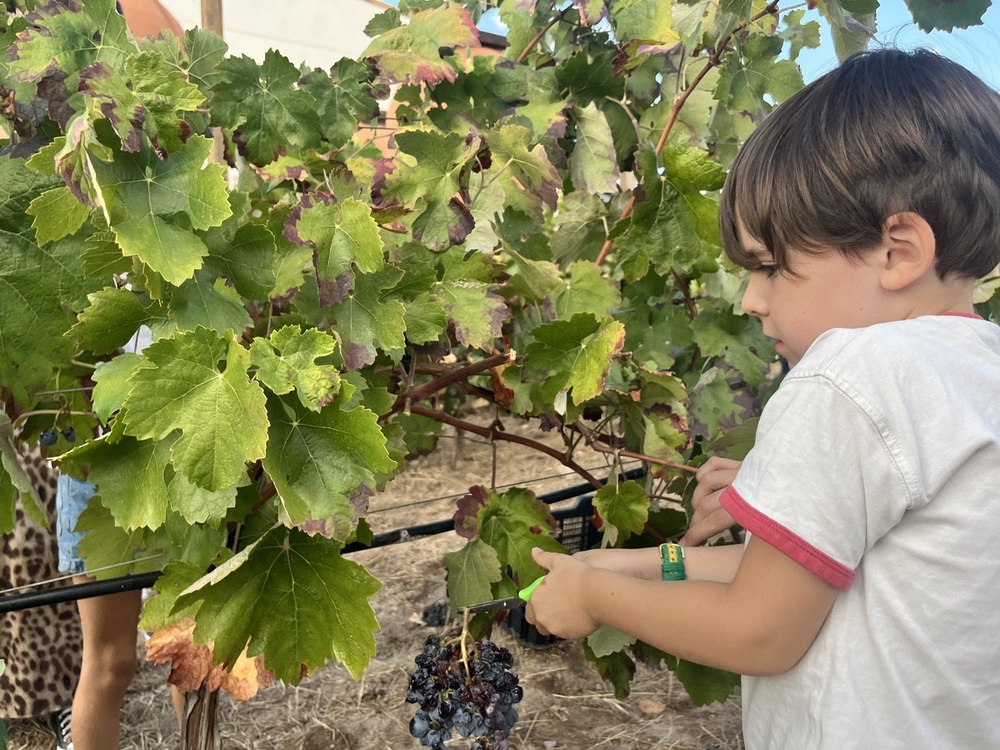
205	52
197	505
426	177
535	279
606	640
580	228
129	475
212	304
344	234
522	169
513	522
107	548
343	98
142	193
749	82
14	482
113	317
586	290
319	461
112	383
175	578
616	668
648	21
220	413
624	508
471	572
369	318
68	38
249	260
411	53
146	98
295	599
593	166
704	684
264	105
934	15
477	312
573	356
382	22
287	360
425	319
58	213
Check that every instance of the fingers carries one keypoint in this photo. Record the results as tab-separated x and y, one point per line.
707	522
543	558
709	517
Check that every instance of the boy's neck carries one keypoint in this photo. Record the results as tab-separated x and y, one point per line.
932	296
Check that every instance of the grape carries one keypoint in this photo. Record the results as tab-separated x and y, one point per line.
70	434
476	703
436	614
48	437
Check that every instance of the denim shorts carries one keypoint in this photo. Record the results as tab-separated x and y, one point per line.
72	496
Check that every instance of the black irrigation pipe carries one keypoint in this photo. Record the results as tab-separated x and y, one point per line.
76	591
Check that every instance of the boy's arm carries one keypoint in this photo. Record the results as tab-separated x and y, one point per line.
760	623
700	563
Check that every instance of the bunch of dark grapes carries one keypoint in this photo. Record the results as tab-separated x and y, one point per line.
478	704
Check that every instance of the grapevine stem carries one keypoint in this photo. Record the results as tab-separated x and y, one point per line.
495	434
429	388
535	39
600	448
462	642
40	412
713	61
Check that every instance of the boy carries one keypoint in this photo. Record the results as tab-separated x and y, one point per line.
864	606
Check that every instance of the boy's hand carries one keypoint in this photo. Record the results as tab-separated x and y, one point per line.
709	516
558	606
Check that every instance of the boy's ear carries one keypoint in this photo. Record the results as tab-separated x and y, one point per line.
908	250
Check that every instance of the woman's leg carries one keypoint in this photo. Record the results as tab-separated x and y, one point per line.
110	625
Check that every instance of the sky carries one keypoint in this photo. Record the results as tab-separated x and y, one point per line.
977	48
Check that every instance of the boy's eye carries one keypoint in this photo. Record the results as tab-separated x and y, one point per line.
767	270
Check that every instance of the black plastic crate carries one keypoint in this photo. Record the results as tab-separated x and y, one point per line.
576	533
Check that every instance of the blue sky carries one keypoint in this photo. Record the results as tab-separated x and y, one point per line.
977	47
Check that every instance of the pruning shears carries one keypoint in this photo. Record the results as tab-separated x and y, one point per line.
511	602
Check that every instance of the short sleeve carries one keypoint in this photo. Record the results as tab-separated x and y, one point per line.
821	483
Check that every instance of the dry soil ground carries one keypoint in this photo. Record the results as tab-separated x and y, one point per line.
566	705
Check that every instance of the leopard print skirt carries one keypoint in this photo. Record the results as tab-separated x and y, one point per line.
41	645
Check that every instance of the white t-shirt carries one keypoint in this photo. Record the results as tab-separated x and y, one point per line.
877	467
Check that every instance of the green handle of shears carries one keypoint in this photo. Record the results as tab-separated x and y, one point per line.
526	592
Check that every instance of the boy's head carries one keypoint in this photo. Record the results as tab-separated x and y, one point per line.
886	132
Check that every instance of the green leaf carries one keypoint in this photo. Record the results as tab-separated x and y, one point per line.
624	508
68	39
369	319
287	360
477	312
129	475
196	505
704	684
751	80
265	107
647	21
934	15
471	572
292	598
113	317
14	482
112	383
343	97
142	193
521	168
586	290
145	97
211	304
321	462
106	545
411	53
344	234
513	522
219	412
58	213
250	260
606	641
593	165
573	356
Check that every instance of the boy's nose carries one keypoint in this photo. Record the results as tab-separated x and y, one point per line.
753	301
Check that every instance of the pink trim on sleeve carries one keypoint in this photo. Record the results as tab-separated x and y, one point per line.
783	540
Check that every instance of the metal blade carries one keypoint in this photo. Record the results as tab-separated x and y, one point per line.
511	602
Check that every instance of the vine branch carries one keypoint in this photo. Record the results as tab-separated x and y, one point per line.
493	433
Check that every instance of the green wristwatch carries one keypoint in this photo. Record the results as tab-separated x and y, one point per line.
672	562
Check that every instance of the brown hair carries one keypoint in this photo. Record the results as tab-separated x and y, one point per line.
888	131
